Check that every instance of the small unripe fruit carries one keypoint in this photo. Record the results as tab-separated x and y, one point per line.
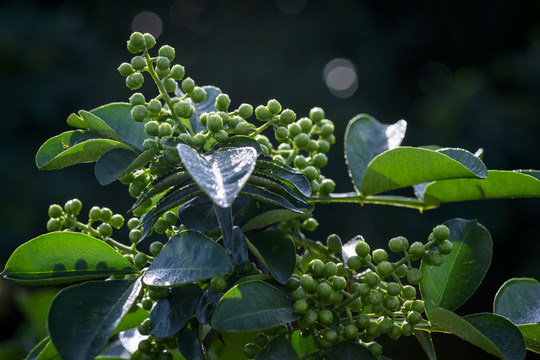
316	266
149	40
177	72
134	81
414	276
393	289
301	140
262	113
94	213
117	221
154	106
372	279
165	129
310	317
408	292
106	214
287	117
55	211
54	225
445	247
218	284
300	306
223	102
242	128
138	63
385	268
161	226
139	113
308	283
327	130
188	85
327	187
441	233
354	262
306	124
398	244
293	283
323	146
245	111
316	114
339	283
391	303
125	69
198	95
222	136
273	107
333	243
151	128
319	160
155	248
311	173
362	248
380	255
324	289
310	224
140	260
300	162
362	321
214	123
148	144
199	140
299	293
137	99
170	85
166	51
137	39
416	250
325	317
406	328
105	230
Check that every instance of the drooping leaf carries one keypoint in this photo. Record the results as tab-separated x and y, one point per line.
49	352
172	313
518	300
34	353
131	320
118	118
276	251
187	257
141	160
448	286
366	138
63	257
112	164
82	317
349	351
172	182
76	121
490	332
220	175
281	189
268	218
233	238
426	342
73	147
98	125
289	346
253	305
278	170
531	333
406	166
498	185
189	341
198	214
265	195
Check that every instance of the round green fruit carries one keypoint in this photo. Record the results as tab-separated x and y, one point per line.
218	284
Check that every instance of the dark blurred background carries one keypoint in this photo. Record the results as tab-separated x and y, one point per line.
463	74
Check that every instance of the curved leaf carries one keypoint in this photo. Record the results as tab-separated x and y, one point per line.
278	170
73	147
172	313
220	175
366	138
131	320
112	164
518	300
237	141
498	185
174	182
268	218
290	346
490	332
140	161
531	333
426	342
117	117
189	341
187	257
262	194
281	189
349	351
82	317
49	352
448	286
406	166
253	305
198	214
276	251
62	257
76	121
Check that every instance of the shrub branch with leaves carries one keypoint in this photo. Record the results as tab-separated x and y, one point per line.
230	272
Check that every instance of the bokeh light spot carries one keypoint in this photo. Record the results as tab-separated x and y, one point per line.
340	77
147	22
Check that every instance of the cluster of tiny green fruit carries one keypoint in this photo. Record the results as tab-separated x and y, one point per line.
302	143
367	297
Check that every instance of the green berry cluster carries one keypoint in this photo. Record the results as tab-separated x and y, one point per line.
261	339
153	348
64	217
369	295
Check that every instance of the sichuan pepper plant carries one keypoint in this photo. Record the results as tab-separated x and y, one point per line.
225	213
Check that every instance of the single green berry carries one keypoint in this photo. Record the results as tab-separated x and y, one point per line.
188	85
154	106
436	259
133	223
106	214
316	114
319	160
73	207
372	279
330	335
298	294
339	283
385	269
397	244
166	51
311	173
373	329
221	136
177	72
183	109
170	85
310	317
325	317
362	321
324	289
330	269
414	276
139	113
300	306
245	111
94	213
354	262
55	211
262	113
323	146
198	95
163	73
316	267
149	40
199	140
441	233
445	247
273	106
350	331
308	283
133	49
137	39
385	324
125	69
294	129
376	349
362	248
261	339
165	129
163	63
416	250
223	102
395	332
140	260
147	145
151	128
393	289
287	117
306	124
138	63
301	140
333	243
327	186
250	350
379	255
170	217
218	284
418	306
300	162
117	221
105	229
54	225
155	248
145	346
391	303
414	317
137	99
375	298
327	130
161	226
310	224
293	283
408	292
134	81
214	123
242	128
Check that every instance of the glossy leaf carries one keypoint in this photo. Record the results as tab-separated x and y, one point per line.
62	257
448	286
349	351
365	138
172	313
268	218
518	300
531	333
187	257
117	116
208	105
276	251
290	346
76	121
112	164
490	332
83	317
130	339
406	166
49	352
278	170
253	305
426	342
265	195
40	348
98	125
73	147
131	320
498	185
237	141
189	341
172	182
280	189
220	175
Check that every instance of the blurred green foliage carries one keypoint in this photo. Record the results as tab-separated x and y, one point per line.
462	74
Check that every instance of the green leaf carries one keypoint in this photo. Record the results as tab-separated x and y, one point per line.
131	320
98	125
265	195
281	189
406	166
498	185
76	121
208	105
276	251
49	352
232	236
220	175
117	116
172	313
278	170
518	300
448	286
112	164
366	138
237	141
289	346
426	342
189	341
531	333
34	353
187	257
268	218
168	182
253	305
349	351
83	317
62	257
490	332
73	147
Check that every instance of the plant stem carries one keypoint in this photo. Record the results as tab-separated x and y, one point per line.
262	128
179	125
107	239
356	198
